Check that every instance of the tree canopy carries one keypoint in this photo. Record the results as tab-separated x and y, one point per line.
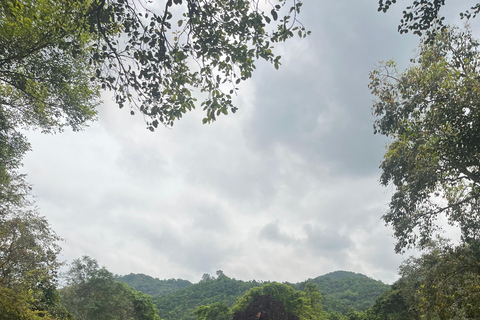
28	267
430	114
304	304
92	293
151	55
423	17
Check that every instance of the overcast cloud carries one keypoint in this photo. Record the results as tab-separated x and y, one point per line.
286	189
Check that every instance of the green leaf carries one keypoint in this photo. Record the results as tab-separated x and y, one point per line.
274	15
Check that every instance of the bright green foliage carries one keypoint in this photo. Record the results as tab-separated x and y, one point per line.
44	71
430	112
93	294
344	291
305	305
341	291
216	311
13	188
153	286
336	316
182	304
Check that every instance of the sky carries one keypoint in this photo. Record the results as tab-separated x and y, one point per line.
286	189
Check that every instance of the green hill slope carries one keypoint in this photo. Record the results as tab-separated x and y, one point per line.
181	304
343	291
152	286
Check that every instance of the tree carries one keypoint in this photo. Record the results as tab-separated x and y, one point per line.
423	16
45	81
430	113
443	283
44	69
92	293
152	58
305	305
28	267
395	304
188	45
215	311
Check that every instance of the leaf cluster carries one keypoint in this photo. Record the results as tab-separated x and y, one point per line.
423	17
442	284
430	114
154	60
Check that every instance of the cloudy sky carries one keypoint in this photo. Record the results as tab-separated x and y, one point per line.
286	189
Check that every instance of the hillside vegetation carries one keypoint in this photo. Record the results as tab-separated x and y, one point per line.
342	292
152	286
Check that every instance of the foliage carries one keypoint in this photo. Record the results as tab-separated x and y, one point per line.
44	70
152	286
44	81
182	304
444	283
13	188
58	53
158	57
215	311
336	288
395	304
430	114
305	305
92	293
344	291
28	266
423	16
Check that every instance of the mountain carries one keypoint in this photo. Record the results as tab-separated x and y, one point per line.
342	291
152	286
181	304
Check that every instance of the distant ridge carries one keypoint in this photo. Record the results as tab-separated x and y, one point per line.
343	291
343	274
152	286
176	299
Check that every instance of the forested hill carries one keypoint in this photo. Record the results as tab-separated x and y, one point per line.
341	292
152	286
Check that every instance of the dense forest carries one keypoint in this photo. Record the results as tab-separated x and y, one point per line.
152	286
339	293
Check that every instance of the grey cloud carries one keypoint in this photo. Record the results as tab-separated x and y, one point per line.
210	219
199	250
326	241
324	112
272	232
